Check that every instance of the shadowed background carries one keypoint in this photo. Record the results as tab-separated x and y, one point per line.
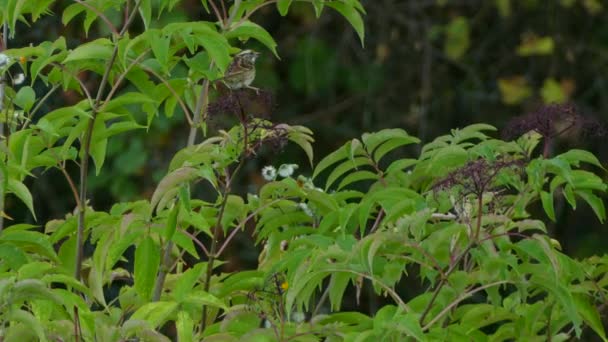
427	66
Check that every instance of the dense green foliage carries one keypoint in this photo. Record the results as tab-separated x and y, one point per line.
459	218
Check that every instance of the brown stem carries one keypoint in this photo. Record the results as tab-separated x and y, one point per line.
479	215
87	147
460	299
216	235
443	280
2	84
201	105
99	14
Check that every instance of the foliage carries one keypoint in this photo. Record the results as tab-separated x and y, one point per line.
459	217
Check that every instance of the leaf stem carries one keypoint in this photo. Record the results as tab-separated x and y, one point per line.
3	176
86	149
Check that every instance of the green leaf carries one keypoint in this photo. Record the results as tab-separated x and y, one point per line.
332	158
356	177
204	34
318	5
147	261
547	201
574	157
337	286
25	98
145	12
12	256
171	182
346	166
353	16
590	314
156	313
99	145
283	6
98	49
562	295
201	298
171	225
247	29
23	193
32	241
29	320
595	202
184	326
186	281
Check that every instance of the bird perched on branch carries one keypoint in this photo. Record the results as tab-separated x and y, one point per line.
241	72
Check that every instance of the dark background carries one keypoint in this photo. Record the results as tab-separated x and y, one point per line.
426	66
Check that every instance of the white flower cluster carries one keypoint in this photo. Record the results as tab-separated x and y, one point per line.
286	170
4	60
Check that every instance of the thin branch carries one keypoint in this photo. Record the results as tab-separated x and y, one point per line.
242	223
87	147
121	77
460	299
217	12
182	104
40	103
216	232
2	85
201	105
82	85
196	241
385	287
99	14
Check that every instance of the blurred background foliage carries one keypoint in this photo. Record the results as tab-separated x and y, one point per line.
427	66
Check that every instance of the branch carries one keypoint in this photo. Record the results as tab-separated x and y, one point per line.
87	147
99	14
460	299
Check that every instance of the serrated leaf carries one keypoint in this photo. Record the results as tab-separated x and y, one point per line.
283	6
590	314
147	261
332	158
547	201
595	202
170	182
156	313
98	49
23	193
353	16
248	29
25	98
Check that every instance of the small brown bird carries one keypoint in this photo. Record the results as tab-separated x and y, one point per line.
241	72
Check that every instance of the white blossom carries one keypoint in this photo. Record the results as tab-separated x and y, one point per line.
269	173
306	209
4	59
19	79
286	170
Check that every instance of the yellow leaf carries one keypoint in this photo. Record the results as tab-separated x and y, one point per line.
514	90
592	6
504	7
552	92
533	45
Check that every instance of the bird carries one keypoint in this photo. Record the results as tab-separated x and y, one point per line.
241	71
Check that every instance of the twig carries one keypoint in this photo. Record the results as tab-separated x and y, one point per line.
2	84
460	299
87	147
99	14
